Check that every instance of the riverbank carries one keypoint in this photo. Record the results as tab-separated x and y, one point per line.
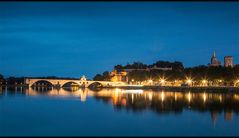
185	88
166	88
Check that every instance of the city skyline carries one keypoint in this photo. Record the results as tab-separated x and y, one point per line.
72	39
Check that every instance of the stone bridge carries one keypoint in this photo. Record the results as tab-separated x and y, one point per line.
81	82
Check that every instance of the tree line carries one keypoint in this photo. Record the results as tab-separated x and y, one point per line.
178	66
140	75
178	72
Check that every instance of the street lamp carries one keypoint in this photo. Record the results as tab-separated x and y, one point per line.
162	81
132	81
219	82
150	81
175	82
204	82
189	81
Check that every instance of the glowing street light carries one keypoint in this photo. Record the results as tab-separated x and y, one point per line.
162	81
176	82
189	81
204	82
132	81
149	82
220	82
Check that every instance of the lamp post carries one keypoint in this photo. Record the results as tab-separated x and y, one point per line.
150	82
189	81
204	82
162	81
220	81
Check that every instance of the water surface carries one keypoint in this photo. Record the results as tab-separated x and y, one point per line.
117	112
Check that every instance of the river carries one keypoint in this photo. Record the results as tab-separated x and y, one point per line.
117	112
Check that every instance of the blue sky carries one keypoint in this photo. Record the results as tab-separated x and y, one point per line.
69	39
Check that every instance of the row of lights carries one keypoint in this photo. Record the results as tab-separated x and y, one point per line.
188	80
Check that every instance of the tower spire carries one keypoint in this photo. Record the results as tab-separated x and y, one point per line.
214	53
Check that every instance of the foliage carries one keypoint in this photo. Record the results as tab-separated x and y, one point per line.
1	78
104	77
98	77
162	64
198	73
12	80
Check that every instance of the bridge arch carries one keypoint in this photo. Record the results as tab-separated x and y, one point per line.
70	84
42	83
95	85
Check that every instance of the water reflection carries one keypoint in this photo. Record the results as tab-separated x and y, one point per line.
160	102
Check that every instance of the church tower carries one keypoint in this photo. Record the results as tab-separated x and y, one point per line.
214	61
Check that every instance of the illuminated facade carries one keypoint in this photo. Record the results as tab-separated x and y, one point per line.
119	76
152	68
159	68
228	61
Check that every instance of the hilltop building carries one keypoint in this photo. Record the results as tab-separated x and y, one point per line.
118	76
159	68
121	75
214	61
228	61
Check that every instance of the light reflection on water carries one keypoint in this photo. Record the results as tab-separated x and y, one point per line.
139	101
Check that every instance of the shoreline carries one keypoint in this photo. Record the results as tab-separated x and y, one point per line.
185	88
167	88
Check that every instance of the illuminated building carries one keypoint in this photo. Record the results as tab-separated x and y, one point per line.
83	78
150	68
117	76
160	68
214	61
228	61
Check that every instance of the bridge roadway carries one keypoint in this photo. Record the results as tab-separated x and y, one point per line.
81	82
